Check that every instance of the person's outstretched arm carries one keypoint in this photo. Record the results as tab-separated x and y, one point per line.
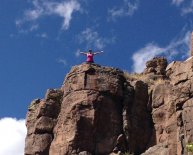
83	53
98	52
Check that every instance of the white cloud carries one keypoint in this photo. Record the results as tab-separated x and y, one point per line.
186	7
177	2
143	55
42	35
92	39
77	53
128	9
34	27
12	136
177	47
62	61
63	9
33	14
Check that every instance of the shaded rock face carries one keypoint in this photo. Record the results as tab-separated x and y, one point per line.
96	112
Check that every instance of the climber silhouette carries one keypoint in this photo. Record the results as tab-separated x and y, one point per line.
90	55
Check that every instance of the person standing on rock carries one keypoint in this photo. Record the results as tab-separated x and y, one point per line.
90	55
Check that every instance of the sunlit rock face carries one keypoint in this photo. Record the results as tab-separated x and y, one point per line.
171	103
102	110
96	111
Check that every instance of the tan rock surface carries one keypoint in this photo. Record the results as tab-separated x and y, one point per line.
98	112
171	107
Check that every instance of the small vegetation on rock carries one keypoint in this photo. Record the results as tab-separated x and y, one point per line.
189	147
133	76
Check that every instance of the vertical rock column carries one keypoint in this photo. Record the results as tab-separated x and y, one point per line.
141	122
96	112
90	120
41	119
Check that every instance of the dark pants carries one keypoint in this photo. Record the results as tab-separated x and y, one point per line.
90	62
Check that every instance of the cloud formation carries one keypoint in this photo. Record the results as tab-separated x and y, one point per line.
43	8
177	2
62	61
92	39
77	53
186	7
127	9
12	133
177	47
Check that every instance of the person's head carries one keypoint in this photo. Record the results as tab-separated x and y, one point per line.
90	51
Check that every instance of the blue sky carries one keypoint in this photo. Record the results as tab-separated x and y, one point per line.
40	41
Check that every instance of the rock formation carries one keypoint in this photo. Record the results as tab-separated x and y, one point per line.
156	66
171	102
95	112
102	111
192	44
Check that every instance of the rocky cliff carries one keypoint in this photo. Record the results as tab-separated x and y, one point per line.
102	110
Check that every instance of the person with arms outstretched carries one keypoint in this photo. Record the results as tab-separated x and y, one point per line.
90	55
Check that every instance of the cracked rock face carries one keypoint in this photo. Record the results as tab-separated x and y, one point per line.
95	112
98	112
172	110
90	117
